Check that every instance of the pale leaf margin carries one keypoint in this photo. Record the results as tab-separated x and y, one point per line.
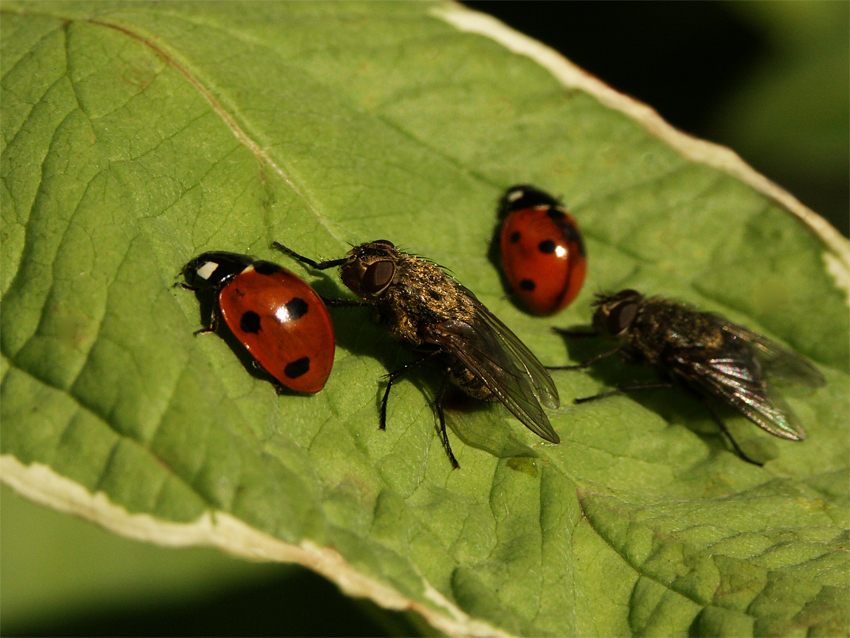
41	484
837	255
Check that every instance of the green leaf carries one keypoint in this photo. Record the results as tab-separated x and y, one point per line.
136	136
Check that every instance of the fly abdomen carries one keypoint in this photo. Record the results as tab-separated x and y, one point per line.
469	382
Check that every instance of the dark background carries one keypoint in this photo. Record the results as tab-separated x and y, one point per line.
696	64
767	79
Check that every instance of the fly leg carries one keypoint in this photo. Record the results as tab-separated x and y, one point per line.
322	265
596	359
580	334
438	405
392	377
316	265
649	386
624	389
343	303
589	362
728	434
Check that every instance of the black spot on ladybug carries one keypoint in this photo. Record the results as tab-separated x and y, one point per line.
250	322
297	308
266	267
547	246
527	284
556	214
515	236
297	368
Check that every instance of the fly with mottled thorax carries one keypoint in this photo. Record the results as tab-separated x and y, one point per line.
427	309
717	358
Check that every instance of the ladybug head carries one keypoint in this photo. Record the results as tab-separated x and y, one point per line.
214	269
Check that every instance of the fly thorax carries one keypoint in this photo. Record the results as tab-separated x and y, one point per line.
402	319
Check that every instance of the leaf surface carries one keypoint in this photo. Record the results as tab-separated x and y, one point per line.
136	136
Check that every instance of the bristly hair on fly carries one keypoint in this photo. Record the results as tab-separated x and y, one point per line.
717	358
426	308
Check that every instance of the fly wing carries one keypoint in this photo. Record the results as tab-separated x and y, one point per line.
741	375
728	380
779	362
506	366
542	385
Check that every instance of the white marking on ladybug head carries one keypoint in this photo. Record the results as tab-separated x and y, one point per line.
206	270
515	195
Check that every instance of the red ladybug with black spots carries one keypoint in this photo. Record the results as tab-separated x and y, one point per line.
275	315
542	249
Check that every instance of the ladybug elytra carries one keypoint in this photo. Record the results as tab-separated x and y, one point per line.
542	250
279	319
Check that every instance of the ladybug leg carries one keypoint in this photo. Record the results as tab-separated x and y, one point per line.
317	265
728	434
438	405
213	327
214	320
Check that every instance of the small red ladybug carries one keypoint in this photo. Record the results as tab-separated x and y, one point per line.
277	317
543	252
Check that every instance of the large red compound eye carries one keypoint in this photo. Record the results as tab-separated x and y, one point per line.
378	276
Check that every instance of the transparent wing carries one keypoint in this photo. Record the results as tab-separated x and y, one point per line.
505	365
779	362
742	376
733	383
543	386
